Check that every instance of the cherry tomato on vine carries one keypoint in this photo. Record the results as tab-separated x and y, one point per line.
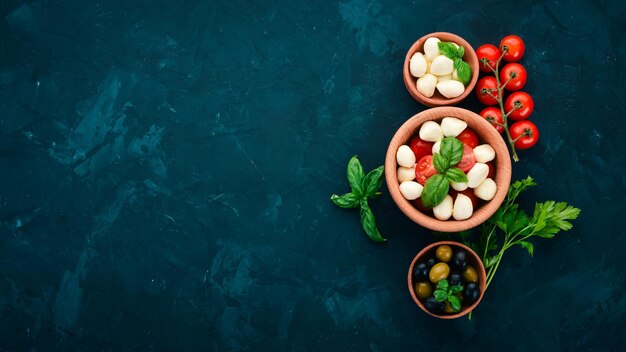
517	73
528	131
468	160
514	48
420	147
484	87
469	137
424	169
524	103
488	52
493	114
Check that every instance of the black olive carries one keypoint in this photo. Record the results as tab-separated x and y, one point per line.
454	278
420	272
430	262
459	259
471	292
432	305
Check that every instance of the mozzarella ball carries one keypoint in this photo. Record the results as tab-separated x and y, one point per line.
426	85
486	190
418	65
459	186
405	156
406	173
431	132
450	88
444	78
463	208
452	127
443	211
411	190
431	48
483	153
455	75
442	65
436	147
477	174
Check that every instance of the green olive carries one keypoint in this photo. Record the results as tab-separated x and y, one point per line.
439	272
444	253
447	307
470	274
423	290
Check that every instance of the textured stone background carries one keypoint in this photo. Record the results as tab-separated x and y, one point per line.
165	168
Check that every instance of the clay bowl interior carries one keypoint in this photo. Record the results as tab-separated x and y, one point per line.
473	261
438	99
486	134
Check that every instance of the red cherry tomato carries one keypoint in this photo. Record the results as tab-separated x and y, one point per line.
485	86
514	48
417	203
469	137
424	169
528	131
492	170
524	103
517	73
468	160
420	147
493	115
490	53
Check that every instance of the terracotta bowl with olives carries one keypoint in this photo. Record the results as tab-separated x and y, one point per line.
447	280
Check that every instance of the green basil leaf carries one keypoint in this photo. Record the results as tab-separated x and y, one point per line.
460	51
346	201
368	222
455	303
441	164
451	149
456	289
440	296
435	190
443	284
463	71
373	180
448	49
529	247
455	174
356	176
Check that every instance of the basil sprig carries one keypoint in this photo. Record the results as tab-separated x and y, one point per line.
437	186
454	53
364	187
445	292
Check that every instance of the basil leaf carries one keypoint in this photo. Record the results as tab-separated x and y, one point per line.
455	303
448	49
451	149
346	201
455	174
356	176
441	164
463	71
456	289
440	296
373	180
443	284
435	190
529	247
460	51
369	223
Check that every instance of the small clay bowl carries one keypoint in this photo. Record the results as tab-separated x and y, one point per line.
486	134
474	261
437	99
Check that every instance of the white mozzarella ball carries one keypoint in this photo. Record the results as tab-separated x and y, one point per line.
452	127
455	75
411	190
442	65
431	48
483	153
431	132
406	173
459	186
486	190
477	174
426	85
405	156
436	147
444	78
450	88
418	65
443	211
463	208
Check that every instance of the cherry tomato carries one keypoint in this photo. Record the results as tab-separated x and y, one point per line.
524	103
517	73
470	194
528	131
469	137
493	114
492	170
468	160
424	169
420	147
485	86
514	48
490	53
417	203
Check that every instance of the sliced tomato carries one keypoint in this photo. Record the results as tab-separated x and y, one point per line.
468	160
469	137
424	169
420	147
492	170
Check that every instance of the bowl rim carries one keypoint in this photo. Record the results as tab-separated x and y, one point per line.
470	57
482	278
486	132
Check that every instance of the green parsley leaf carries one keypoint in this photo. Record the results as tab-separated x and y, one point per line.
369	222
373	181
529	247
346	201
455	174
356	176
435	190
551	217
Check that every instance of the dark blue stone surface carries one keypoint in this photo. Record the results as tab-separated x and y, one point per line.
166	168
